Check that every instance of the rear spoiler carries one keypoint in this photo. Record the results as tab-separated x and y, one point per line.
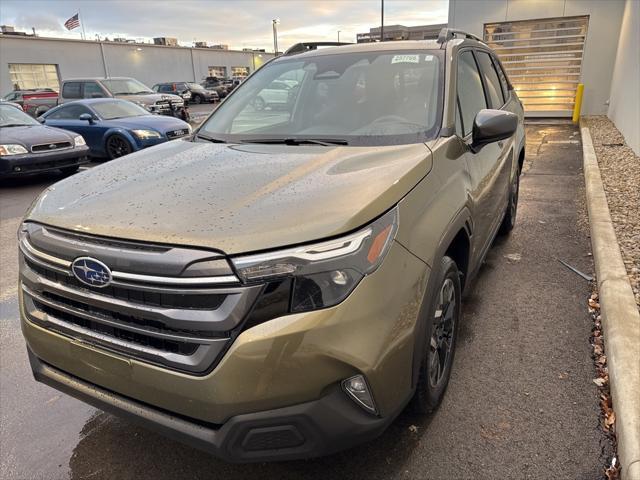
308	46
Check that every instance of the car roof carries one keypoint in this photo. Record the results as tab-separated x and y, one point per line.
369	47
85	79
91	101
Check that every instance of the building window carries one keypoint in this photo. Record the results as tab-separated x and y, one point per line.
240	72
33	75
218	72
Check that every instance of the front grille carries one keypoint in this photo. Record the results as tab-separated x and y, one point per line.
177	133
172	346
176	307
49	147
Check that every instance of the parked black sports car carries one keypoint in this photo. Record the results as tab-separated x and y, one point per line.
28	147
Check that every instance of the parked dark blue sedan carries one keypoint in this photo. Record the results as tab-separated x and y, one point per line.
113	128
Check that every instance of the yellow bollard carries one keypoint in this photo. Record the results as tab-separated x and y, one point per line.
578	103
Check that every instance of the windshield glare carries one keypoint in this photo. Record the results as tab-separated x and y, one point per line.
127	86
118	109
367	98
10	115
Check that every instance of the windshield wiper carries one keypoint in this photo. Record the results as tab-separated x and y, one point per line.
18	125
210	139
327	142
142	91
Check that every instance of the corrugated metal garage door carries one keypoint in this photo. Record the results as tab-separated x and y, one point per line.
543	59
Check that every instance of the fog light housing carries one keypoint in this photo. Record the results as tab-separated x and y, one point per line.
358	389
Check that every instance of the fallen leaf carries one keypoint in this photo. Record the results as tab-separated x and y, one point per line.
601	382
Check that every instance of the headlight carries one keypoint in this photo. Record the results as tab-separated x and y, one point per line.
12	149
146	134
323	274
79	141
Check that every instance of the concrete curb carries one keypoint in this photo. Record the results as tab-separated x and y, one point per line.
620	317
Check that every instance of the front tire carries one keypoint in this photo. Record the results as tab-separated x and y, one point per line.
441	332
509	220
118	146
197	99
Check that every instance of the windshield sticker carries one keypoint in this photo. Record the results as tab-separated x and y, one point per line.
428	58
405	59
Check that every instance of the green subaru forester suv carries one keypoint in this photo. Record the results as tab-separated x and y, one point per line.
286	281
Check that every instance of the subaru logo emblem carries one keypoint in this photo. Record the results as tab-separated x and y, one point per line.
53	145
91	272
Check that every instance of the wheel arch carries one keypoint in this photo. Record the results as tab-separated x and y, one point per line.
455	243
123	133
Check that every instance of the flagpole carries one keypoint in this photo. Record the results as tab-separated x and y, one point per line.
84	36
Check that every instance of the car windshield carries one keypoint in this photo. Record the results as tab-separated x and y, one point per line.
11	116
366	98
195	86
118	109
125	86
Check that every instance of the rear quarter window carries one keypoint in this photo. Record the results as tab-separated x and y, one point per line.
71	90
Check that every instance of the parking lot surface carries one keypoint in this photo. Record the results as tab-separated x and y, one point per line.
521	402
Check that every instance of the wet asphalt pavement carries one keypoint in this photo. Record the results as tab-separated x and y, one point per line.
521	403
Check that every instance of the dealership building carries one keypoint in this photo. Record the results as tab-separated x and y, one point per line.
39	62
549	47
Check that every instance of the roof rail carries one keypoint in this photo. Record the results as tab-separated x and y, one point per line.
308	46
447	34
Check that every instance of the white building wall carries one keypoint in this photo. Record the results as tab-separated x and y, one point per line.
600	49
624	106
148	63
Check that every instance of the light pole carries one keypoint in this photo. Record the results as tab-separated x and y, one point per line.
339	35
275	23
382	20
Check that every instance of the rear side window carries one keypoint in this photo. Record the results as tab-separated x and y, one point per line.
491	80
165	88
71	90
68	112
503	78
93	90
470	91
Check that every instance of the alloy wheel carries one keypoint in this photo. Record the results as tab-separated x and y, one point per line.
441	342
118	147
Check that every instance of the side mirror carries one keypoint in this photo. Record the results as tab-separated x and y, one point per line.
491	126
41	119
87	117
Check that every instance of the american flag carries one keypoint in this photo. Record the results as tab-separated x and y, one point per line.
72	23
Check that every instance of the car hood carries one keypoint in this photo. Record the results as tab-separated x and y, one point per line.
234	198
161	123
34	135
150	98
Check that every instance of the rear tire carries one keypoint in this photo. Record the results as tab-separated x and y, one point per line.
441	332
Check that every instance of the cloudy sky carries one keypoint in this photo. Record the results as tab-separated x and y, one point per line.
238	23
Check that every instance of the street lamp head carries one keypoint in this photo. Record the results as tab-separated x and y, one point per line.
276	21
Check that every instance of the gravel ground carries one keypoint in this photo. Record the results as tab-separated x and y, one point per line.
620	170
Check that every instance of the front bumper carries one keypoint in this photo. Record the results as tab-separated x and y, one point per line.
319	427
285	370
28	163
